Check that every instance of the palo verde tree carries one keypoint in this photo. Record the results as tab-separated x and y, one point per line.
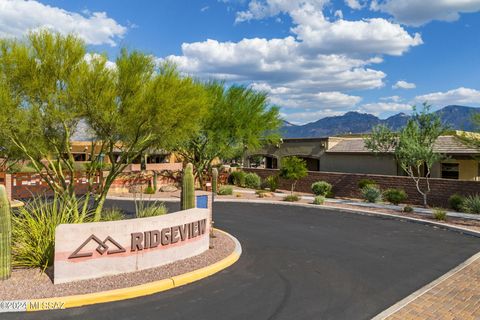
293	169
237	119
48	86
39	77
412	146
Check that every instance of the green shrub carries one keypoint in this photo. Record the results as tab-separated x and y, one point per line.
362	183
407	209
79	166
237	178
252	180
455	202
97	166
371	193
112	214
262	193
330	195
149	190
471	204
319	200
18	167
395	196
33	230
321	188
291	198
272	183
439	214
225	191
150	209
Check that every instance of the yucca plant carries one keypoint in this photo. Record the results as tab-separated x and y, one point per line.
372	193
34	230
151	209
471	204
112	214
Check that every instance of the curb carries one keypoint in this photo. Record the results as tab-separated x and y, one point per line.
137	291
410	298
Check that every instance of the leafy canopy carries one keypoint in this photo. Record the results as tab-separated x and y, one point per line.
293	168
413	146
237	118
49	84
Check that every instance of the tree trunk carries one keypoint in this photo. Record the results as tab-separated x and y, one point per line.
98	205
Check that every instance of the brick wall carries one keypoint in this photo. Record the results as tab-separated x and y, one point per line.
173	166
25	185
346	185
134	181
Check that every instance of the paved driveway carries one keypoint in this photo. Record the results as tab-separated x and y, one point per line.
300	263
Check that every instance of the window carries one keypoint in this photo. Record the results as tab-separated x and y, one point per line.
450	171
79	156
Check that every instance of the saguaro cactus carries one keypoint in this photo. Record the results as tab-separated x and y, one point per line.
5	235
155	177
188	188
214	180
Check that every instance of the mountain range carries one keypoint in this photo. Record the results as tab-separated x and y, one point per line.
454	116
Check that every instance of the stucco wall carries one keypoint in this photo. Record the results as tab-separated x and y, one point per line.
468	169
128	245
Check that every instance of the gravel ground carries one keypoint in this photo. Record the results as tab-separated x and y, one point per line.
33	284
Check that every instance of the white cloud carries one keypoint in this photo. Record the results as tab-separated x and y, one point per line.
295	99
94	56
418	12
309	116
279	66
258	9
17	17
455	96
320	57
392	98
338	14
378	108
203	9
368	36
354	4
404	85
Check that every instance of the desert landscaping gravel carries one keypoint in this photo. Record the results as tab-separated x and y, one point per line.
34	284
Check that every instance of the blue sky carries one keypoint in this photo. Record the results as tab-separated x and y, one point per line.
315	58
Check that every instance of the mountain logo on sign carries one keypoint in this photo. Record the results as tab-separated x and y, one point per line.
103	247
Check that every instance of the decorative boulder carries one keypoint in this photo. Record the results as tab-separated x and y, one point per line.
168	188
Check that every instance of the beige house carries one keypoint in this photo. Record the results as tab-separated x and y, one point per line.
349	155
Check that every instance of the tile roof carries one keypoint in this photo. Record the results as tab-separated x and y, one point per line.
444	144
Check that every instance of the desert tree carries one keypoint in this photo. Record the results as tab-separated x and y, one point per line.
413	146
237	119
49	84
293	169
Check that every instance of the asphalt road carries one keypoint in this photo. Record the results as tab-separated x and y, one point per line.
299	263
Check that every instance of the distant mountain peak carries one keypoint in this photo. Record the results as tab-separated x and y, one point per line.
455	116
